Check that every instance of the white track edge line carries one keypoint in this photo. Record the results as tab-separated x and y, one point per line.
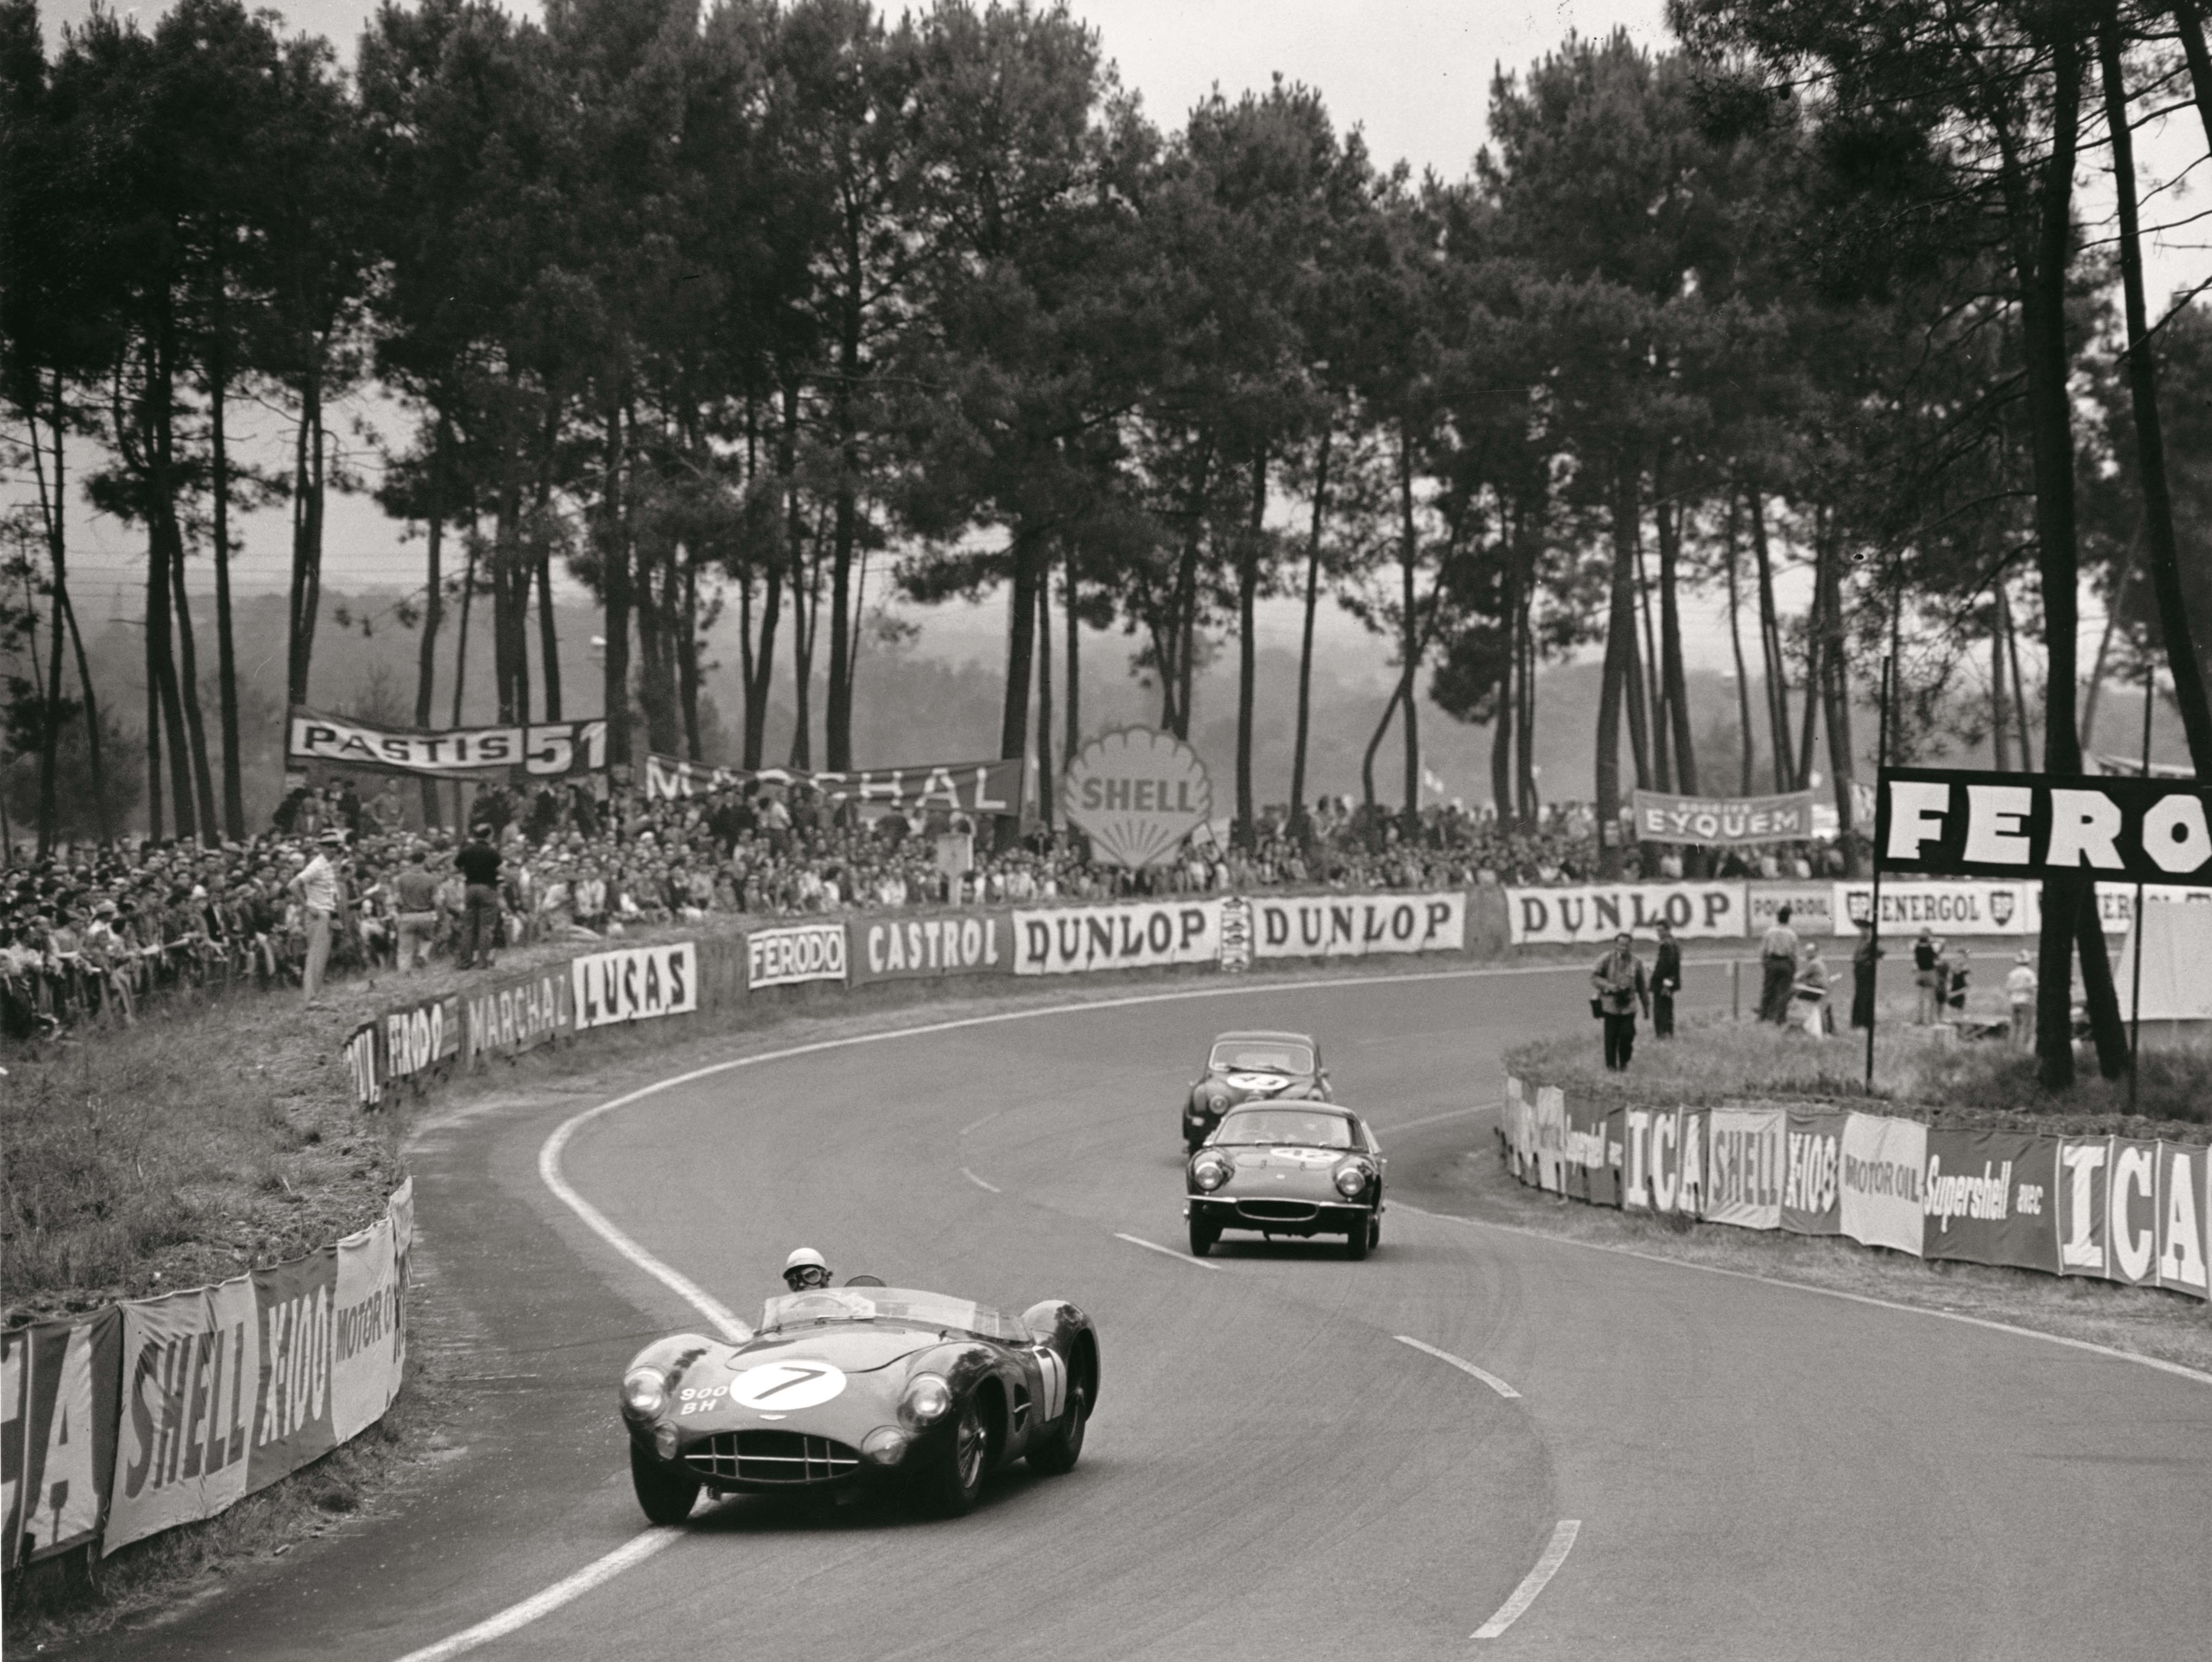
2160	1363
1463	1364
979	1182
1555	1554
1167	1252
636	1551
1437	1119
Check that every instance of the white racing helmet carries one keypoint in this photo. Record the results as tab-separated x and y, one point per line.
805	1268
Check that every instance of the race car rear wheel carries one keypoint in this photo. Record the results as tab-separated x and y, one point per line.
951	1482
1066	1447
664	1496
1202	1237
1356	1239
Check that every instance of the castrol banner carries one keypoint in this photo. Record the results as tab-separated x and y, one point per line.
634	983
1743	1168
1357	925
1987	1198
1812	1173
1883	1161
931	948
1596	912
796	953
57	1408
1076	940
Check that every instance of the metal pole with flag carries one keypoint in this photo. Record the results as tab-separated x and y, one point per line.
2134	994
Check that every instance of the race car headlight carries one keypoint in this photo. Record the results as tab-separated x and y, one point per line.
1351	1180
1209	1174
927	1400
644	1392
664	1440
886	1445
1213	1099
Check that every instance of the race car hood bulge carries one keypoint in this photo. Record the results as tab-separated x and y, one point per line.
856	1349
1285	1170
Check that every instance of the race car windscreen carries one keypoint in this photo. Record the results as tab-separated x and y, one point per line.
904	1305
1290	1126
1261	1056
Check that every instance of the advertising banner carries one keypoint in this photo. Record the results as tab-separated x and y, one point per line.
1812	909
419	1039
793	952
1597	913
359	1053
1235	934
1744	1166
191	1376
1812	1173
2116	905
1550	1128
1964	823
930	949
551	749
1987	1198
1948	908
1136	794
2084	1193
634	984
518	1014
1591	1175
1884	1159
973	787
1723	821
2184	1220
368	1334
292	1304
1074	940
59	1400
1358	926
2131	1212
1663	1160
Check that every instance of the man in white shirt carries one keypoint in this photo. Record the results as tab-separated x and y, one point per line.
320	890
1777	959
2020	993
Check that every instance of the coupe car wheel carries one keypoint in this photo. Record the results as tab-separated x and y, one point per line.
1066	1447
1356	1240
1375	1231
955	1479
664	1496
1202	1237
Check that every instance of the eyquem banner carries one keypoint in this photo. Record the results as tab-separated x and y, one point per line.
1957	822
1721	821
543	750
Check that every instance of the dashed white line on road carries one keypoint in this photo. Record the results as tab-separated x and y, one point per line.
979	1182
1555	1554
977	1125
1463	1364
636	1551
1167	1252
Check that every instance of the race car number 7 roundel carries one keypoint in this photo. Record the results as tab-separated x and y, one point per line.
781	1386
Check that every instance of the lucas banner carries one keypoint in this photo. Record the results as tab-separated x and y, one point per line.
972	787
634	984
547	749
1723	821
1357	926
1075	940
930	949
57	1408
1571	916
1958	822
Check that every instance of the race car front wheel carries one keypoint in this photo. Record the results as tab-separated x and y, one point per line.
1066	1447
664	1496
951	1482
1202	1237
1357	1239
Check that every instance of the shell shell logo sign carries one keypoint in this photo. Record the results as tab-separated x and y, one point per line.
1138	794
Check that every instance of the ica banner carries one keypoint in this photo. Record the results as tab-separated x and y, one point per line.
896	948
1358	926
1884	1158
1598	913
518	1016
2184	1232
1743	1167
634	983
1812	1173
1075	940
1663	1158
57	1408
1987	1198
793	952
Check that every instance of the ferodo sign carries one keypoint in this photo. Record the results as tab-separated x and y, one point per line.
1959	823
927	948
1598	913
800	952
1358	926
1074	940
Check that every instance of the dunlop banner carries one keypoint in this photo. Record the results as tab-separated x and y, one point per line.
1963	822
190	1373
1076	940
517	1015
58	1402
1812	1173
1987	1198
1744	1165
1357	925
1597	914
1884	1159
634	983
795	953
929	948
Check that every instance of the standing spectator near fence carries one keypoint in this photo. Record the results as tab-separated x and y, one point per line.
320	890
1866	961
1620	986
2020	993
1666	982
1810	995
1778	962
1927	978
478	862
416	895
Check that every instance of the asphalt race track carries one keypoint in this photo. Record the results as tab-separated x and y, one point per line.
1756	1471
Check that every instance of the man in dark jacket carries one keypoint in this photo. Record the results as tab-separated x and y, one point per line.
479	866
1666	982
1621	985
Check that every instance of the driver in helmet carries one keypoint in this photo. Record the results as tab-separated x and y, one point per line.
805	1270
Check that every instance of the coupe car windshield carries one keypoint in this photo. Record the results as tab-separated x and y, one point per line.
902	1305
1261	1056
1290	1126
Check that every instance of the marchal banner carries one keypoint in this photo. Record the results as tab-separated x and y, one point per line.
1958	822
972	787
1137	794
1723	821
545	749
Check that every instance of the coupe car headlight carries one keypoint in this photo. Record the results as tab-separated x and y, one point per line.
644	1392
886	1445
1351	1180
1216	1099
1209	1174
927	1400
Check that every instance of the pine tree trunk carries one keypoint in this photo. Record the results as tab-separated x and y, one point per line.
1046	773
1744	727
1021	628
156	631
1770	647
1073	741
159	578
233	777
1298	817
1651	714
1245	834
1673	676
434	608
91	712
685	632
1502	719
2000	741
1411	644
307	531
1617	678
54	504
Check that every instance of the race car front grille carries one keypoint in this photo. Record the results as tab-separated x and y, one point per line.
772	1457
1279	1211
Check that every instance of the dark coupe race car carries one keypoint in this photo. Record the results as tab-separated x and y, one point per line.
1252	1067
1288	1169
861	1385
